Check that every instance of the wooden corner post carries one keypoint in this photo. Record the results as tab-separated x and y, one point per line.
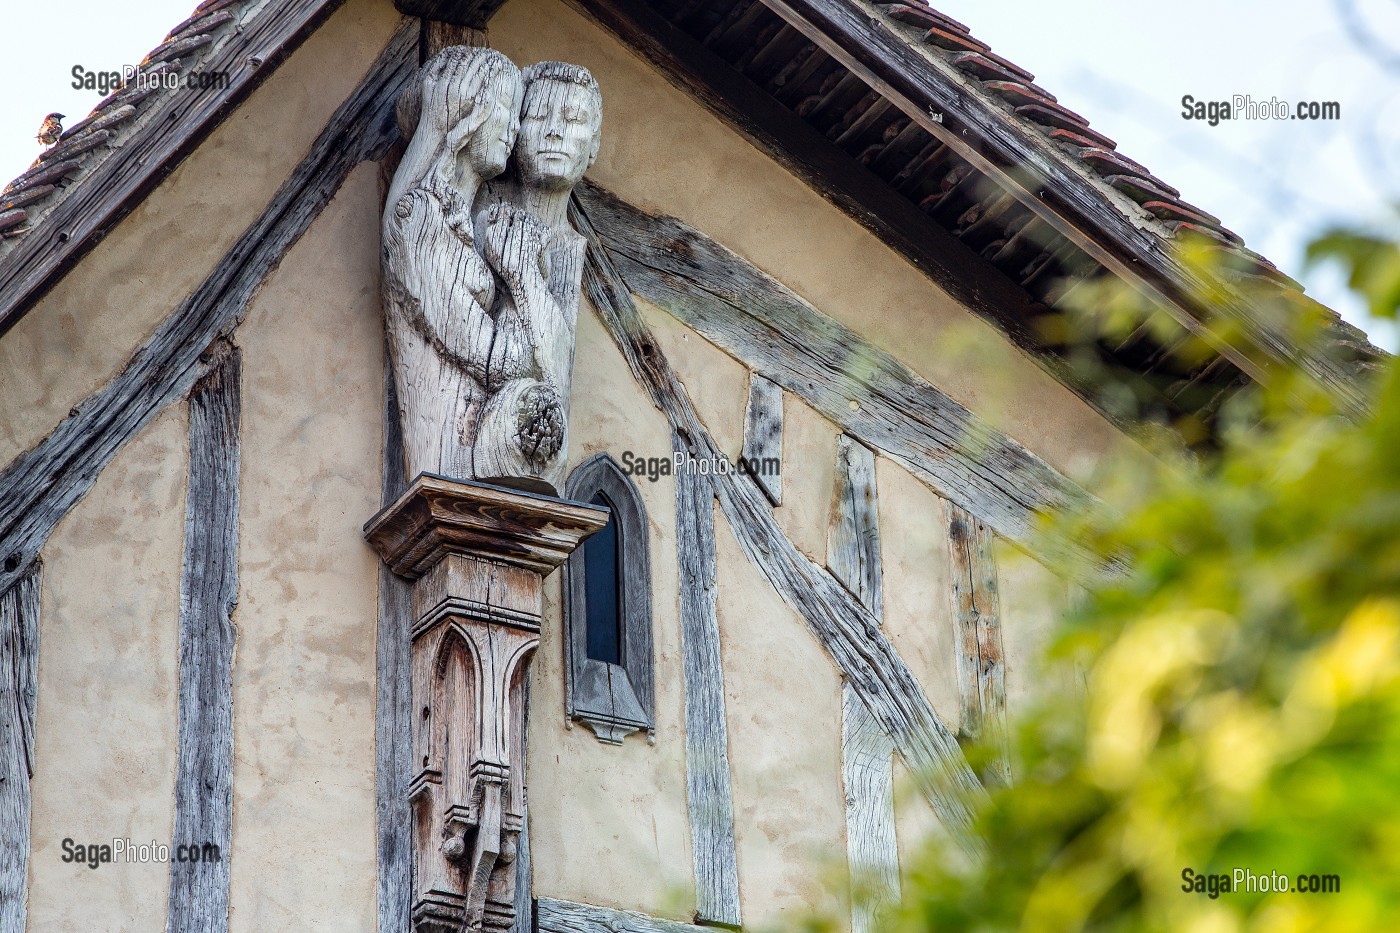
478	555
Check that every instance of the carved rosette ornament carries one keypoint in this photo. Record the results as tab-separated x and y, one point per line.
481	274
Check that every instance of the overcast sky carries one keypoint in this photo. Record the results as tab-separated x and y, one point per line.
1124	66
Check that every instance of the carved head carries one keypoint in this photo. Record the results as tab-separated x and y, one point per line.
560	125
467	99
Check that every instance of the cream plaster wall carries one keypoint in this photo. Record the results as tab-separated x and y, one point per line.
83	332
304	681
783	707
106	719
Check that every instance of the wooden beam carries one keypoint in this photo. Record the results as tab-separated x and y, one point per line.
175	125
1062	193
845	628
19	674
473	14
853	540
864	389
41	485
977	630
567	917
199	891
393	711
853	557
707	776
763	435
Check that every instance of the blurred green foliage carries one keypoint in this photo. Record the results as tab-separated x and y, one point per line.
1238	697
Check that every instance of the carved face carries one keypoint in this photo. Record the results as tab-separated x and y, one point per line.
559	127
488	144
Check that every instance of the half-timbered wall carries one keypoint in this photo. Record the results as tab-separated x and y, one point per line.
615	826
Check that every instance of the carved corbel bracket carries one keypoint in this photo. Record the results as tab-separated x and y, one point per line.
478	555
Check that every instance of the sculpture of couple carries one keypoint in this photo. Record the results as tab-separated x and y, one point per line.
481	268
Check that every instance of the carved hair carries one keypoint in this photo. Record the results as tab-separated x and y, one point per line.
470	70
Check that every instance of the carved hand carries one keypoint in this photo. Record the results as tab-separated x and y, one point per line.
514	242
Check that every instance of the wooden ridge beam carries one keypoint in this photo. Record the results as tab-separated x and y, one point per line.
844	627
198	899
42	484
172	130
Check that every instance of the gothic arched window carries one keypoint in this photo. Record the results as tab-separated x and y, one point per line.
607	609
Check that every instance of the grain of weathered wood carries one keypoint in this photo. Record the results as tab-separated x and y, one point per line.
524	872
199	891
845	628
977	629
763	436
437	516
774	331
853	542
708	791
41	485
19	666
853	557
872	850
556	916
1047	182
175	125
393	736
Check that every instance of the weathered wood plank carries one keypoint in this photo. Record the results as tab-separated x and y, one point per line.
977	629
708	792
42	484
393	712
199	891
178	123
775	332
1047	182
853	541
763	435
567	917
872	850
845	628
853	557
524	872
19	669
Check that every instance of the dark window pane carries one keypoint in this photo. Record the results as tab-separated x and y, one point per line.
602	591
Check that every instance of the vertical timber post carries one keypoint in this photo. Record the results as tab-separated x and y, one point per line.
19	669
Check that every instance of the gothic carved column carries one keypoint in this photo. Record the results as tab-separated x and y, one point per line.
478	555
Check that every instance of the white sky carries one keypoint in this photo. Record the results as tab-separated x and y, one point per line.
1123	66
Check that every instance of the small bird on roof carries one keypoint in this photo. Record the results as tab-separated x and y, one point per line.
51	129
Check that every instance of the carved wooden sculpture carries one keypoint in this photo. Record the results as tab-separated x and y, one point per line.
481	294
539	258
